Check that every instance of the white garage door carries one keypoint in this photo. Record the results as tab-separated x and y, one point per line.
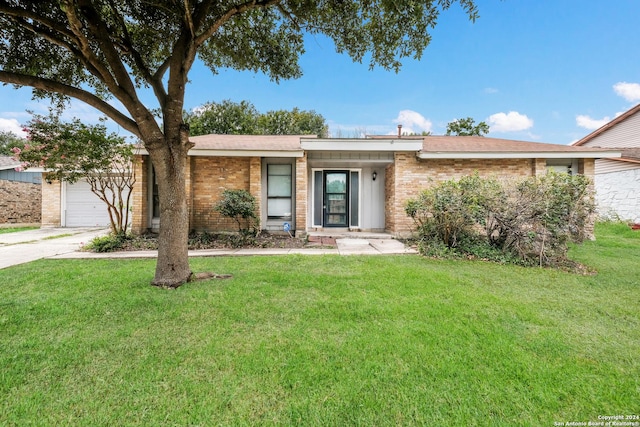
83	208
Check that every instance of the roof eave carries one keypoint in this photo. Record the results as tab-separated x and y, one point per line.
519	155
236	153
247	153
362	145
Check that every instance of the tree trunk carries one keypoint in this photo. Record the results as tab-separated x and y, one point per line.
172	268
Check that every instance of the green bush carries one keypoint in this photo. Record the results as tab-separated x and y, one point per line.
443	212
531	221
109	243
240	206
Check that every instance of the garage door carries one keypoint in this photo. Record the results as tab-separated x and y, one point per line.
83	208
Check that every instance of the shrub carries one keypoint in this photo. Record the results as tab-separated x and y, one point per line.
240	206
109	243
528	222
442	213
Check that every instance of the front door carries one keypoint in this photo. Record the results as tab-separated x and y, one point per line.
336	200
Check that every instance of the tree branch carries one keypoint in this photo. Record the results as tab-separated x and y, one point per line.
154	80
49	35
82	95
17	13
236	10
116	78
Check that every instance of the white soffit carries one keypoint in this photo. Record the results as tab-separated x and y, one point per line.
334	144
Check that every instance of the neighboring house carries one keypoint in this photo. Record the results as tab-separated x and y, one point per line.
617	180
312	184
20	194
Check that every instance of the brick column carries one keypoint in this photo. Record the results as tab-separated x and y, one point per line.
188	188
51	203
139	202
301	189
539	167
409	179
255	186
587	167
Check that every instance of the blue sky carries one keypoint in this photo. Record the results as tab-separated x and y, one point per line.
547	71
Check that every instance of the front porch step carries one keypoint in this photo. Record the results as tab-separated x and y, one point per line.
349	234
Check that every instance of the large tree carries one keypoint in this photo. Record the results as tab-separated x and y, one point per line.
93	50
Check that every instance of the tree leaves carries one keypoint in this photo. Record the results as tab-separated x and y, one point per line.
467	127
231	118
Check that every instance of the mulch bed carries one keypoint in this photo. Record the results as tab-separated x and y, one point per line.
206	240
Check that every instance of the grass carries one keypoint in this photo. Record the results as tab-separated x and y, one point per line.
328	340
5	230
58	236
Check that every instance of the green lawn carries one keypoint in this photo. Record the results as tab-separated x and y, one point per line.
323	340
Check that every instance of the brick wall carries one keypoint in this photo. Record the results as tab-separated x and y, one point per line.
20	202
210	177
206	178
51	199
301	175
539	167
412	175
255	181
587	167
139	214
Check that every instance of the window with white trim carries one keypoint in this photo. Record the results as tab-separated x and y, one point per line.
279	191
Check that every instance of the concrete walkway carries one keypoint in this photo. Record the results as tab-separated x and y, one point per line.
65	243
26	246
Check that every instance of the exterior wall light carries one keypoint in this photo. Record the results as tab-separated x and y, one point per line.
374	175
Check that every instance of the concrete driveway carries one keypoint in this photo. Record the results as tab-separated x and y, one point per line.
26	246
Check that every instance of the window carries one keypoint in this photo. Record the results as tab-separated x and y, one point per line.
560	166
279	189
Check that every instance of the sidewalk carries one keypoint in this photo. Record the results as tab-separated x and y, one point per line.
344	247
65	243
26	246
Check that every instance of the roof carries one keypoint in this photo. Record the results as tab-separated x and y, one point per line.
377	144
429	147
474	147
247	145
7	162
612	123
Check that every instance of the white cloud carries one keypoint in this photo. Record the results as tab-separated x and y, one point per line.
629	91
589	123
509	122
413	122
490	90
12	125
